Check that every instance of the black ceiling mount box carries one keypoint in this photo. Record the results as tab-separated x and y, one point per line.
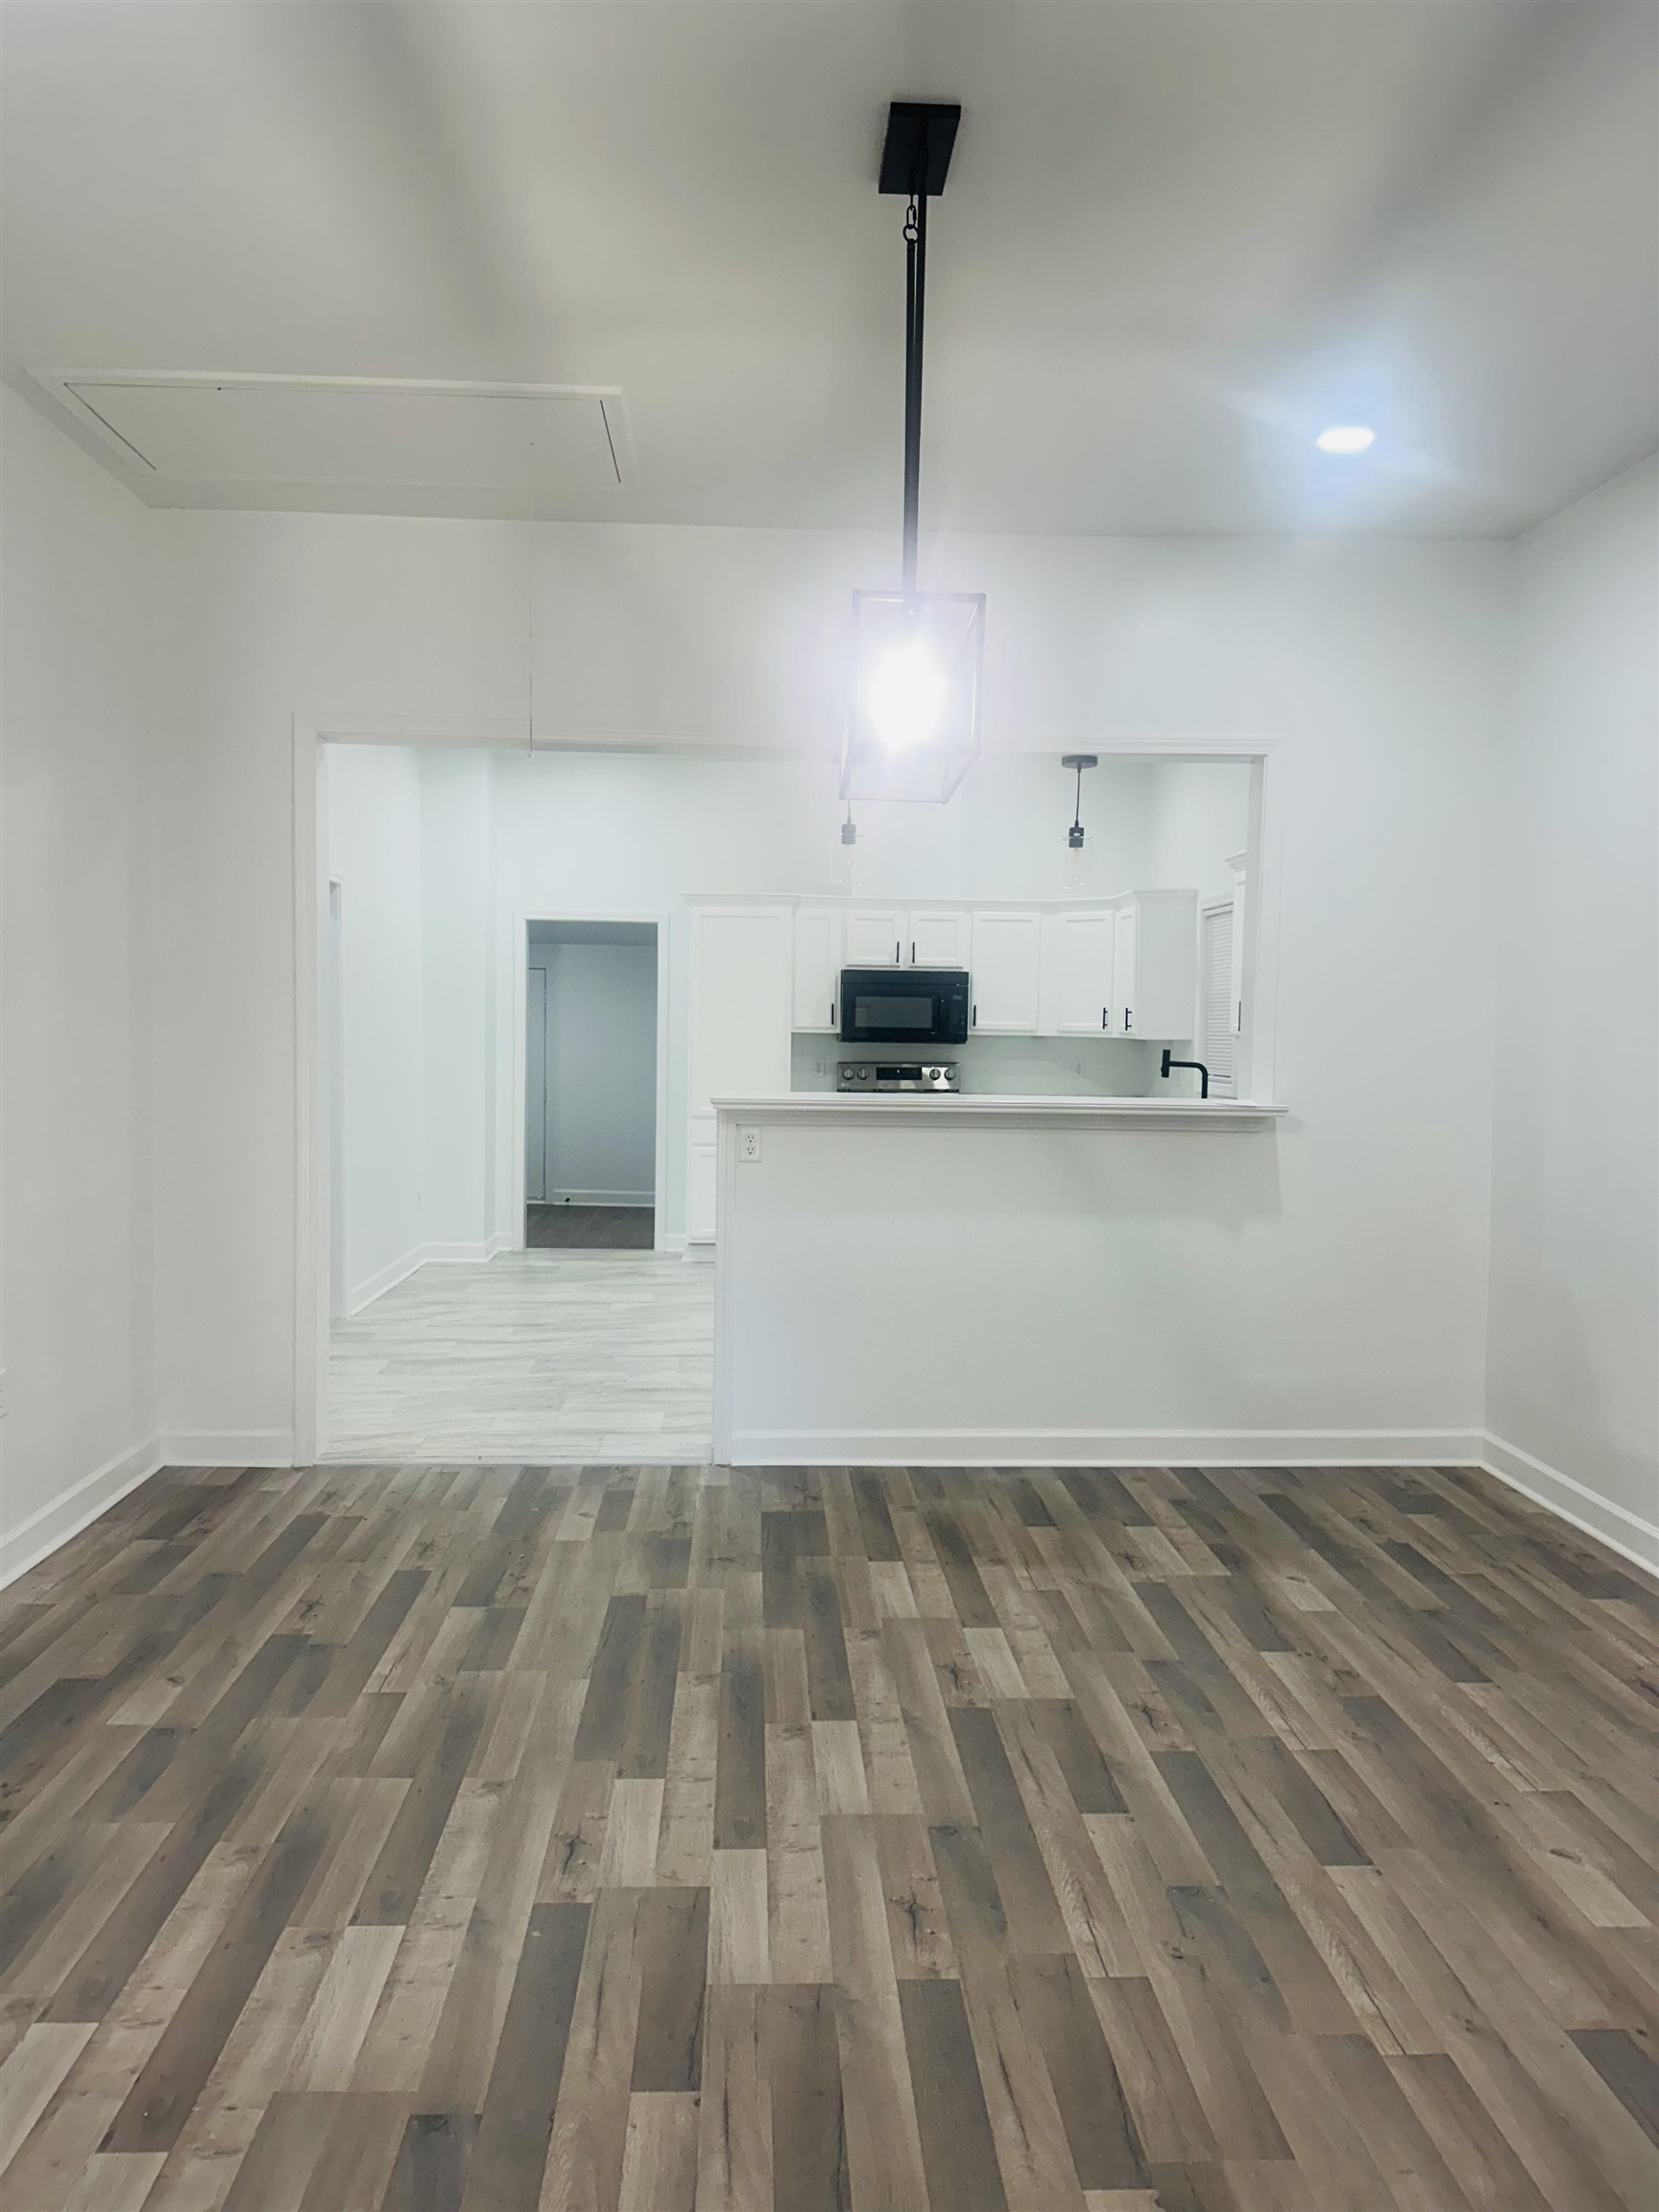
917	155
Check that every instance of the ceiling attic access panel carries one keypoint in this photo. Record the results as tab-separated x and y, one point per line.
201	427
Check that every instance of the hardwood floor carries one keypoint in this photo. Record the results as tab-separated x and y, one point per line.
512	1838
531	1355
590	1228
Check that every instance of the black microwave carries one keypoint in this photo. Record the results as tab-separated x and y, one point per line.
903	1005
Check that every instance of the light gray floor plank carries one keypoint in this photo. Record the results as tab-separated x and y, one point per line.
533	1356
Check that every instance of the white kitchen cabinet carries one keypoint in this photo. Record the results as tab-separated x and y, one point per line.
1007	972
1080	949
742	976
1125	944
1154	966
939	937
818	932
877	936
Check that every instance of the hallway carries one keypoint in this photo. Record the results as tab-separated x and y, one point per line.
531	1355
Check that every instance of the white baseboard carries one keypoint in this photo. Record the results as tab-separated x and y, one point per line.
75	1508
1106	1447
384	1279
598	1199
227	1447
500	1241
1621	1531
470	1252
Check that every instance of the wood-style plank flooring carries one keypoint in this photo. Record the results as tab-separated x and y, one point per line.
589	1228
519	1837
531	1355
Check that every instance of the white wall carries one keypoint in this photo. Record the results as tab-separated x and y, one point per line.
374	827
601	1073
1325	1279
1380	665
75	1291
1572	1352
1349	1287
458	1003
1199	816
261	618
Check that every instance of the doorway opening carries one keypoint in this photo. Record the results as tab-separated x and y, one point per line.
591	1027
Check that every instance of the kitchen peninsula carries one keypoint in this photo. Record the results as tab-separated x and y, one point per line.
877	1259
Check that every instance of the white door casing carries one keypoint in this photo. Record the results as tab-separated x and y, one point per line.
535	1085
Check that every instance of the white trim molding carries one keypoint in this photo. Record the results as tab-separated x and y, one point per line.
460	1254
1572	1500
310	1117
51	1524
384	1279
230	1447
513	950
1105	1447
832	1110
635	1198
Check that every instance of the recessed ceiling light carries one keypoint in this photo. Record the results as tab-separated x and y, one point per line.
1345	437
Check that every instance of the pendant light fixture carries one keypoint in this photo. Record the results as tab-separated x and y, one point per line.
913	719
1079	761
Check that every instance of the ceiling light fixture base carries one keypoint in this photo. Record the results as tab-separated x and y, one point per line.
916	153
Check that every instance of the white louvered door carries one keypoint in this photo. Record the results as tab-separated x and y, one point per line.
1218	1043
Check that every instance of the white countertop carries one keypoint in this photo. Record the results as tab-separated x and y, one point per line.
982	1107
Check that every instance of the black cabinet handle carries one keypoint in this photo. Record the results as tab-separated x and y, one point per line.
912	952
832	1013
1104	1011
1128	1019
976	1017
898	953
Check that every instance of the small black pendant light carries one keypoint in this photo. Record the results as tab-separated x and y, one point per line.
1079	761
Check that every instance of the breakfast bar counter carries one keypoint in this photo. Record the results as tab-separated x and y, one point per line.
878	1259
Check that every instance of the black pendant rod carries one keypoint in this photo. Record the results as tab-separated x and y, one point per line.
915	296
915	162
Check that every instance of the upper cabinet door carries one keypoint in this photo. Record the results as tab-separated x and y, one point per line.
1125	970
817	967
1007	972
1083	943
877	936
1155	986
940	937
740	994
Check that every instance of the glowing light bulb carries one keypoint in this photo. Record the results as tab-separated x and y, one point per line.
906	696
1346	438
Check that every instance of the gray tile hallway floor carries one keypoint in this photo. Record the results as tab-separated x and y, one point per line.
531	1355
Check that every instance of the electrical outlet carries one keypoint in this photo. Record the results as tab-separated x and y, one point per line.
748	1144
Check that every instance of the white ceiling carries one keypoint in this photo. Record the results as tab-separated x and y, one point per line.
1179	238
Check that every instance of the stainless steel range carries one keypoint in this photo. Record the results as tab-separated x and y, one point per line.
898	1075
